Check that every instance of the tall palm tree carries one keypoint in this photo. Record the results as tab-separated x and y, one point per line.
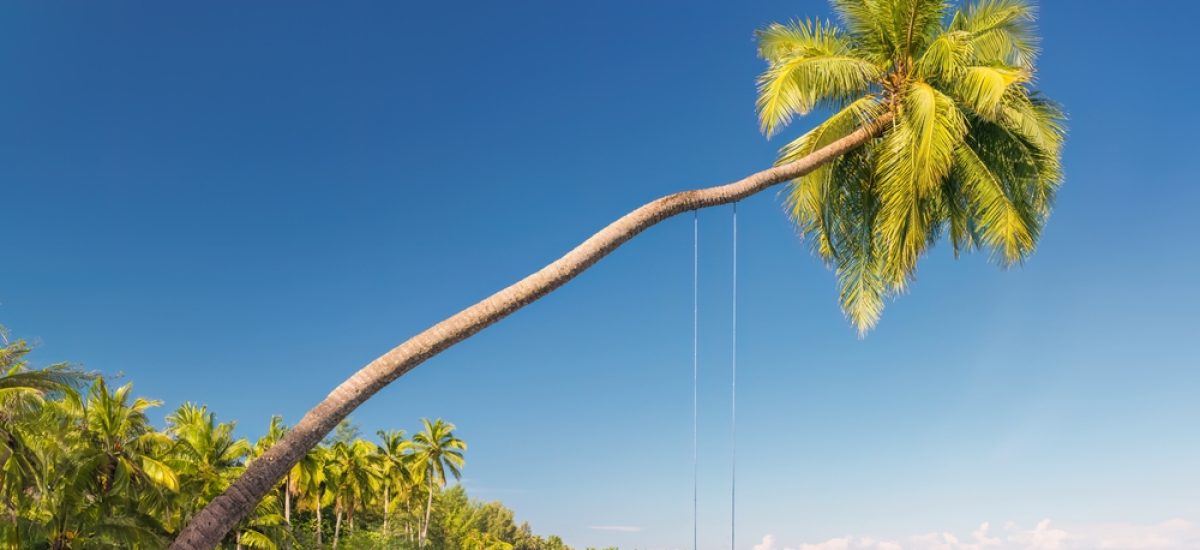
437	452
21	396
935	129
312	485
354	479
107	477
206	455
395	455
275	431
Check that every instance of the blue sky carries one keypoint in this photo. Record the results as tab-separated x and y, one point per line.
240	204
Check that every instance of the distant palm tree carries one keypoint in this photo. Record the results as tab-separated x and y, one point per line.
438	452
21	397
354	479
312	485
936	130
395	457
111	471
206	455
275	431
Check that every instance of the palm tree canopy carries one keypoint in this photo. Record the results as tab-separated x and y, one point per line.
966	146
438	451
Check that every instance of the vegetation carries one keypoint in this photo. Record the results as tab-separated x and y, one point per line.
81	466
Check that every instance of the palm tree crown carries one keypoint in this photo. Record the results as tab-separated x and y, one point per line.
965	146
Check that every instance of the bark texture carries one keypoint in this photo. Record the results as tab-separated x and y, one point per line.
216	519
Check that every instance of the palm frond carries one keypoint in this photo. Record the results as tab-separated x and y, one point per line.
809	63
780	41
866	21
945	57
914	23
808	195
254	539
914	158
1002	223
985	90
1002	31
853	208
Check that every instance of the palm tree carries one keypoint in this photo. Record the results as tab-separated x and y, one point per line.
438	451
275	431
107	476
354	478
395	473
936	129
205	455
311	485
21	396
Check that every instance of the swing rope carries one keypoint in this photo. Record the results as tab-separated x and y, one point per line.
695	372
733	397
696	384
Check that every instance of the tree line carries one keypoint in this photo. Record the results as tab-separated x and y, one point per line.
82	466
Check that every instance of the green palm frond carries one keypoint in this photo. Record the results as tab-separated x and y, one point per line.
914	23
808	195
254	539
159	473
803	38
959	220
868	22
1002	224
987	90
862	288
1036	120
809	63
946	56
914	158
1002	31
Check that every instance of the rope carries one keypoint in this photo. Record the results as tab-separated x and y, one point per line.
733	399
695	372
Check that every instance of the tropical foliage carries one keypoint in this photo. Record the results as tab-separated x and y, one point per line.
82	466
965	148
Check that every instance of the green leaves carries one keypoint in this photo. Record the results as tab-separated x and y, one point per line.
1001	31
1002	224
809	196
914	158
970	150
983	89
810	63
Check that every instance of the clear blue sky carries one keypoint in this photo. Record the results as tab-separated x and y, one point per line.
239	204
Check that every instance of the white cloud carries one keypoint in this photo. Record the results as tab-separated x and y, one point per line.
768	543
844	543
616	528
1176	534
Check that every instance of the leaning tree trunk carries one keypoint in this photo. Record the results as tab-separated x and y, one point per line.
222	513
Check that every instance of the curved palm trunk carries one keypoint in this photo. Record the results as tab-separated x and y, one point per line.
219	516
